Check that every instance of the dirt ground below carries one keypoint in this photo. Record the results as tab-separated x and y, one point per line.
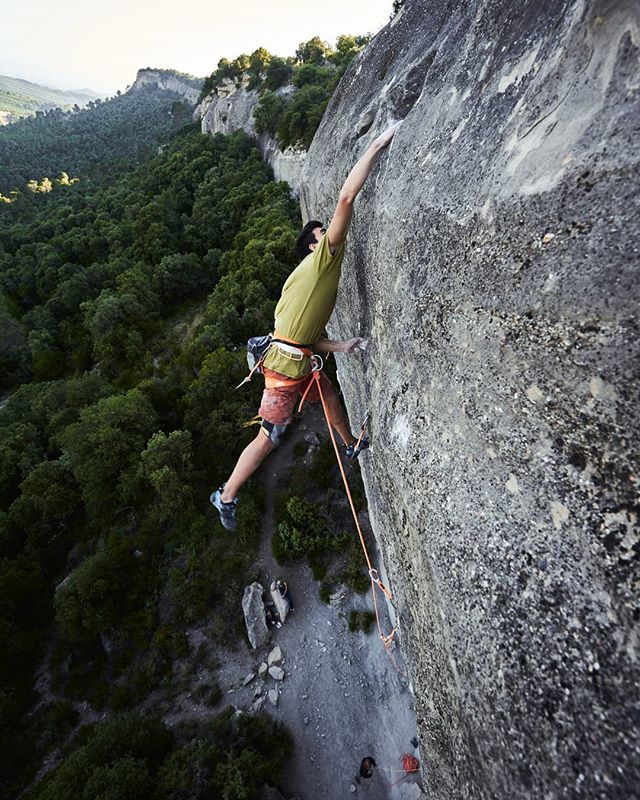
342	698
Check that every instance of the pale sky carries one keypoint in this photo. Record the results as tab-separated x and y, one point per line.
100	44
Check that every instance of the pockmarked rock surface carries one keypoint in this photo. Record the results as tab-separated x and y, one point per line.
493	263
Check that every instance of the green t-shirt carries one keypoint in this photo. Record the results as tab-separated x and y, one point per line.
307	301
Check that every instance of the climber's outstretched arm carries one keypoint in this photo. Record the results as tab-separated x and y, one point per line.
333	346
337	230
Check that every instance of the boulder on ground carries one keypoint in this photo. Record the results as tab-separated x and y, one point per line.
274	656
254	615
281	603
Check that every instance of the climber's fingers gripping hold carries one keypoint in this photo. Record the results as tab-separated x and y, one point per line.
351	345
386	136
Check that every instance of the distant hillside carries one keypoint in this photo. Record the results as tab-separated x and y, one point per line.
107	136
20	98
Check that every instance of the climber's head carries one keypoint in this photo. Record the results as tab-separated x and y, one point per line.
311	234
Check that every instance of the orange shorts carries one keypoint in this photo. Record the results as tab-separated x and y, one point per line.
281	395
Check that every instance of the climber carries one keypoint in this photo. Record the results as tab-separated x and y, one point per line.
306	303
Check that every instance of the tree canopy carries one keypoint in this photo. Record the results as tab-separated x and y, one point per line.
126	297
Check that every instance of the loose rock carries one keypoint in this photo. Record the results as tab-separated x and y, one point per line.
277	673
257	705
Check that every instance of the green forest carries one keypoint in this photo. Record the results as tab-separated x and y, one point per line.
126	296
313	73
118	415
105	136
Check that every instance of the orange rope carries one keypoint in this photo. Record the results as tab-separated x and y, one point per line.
387	639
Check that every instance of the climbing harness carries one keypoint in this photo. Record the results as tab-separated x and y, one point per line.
258	347
376	582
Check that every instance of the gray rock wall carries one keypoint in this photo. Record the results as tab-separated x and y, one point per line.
493	262
230	108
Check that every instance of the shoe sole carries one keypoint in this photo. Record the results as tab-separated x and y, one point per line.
229	524
355	455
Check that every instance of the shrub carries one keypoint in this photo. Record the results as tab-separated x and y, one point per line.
231	758
326	589
278	73
109	589
56	722
268	112
121	752
361	620
303	532
299	449
354	576
302	116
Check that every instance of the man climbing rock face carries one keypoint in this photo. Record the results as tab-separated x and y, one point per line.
306	303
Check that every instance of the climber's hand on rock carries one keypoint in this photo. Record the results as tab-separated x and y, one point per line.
351	345
385	137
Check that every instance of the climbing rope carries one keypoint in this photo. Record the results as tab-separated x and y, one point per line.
376	582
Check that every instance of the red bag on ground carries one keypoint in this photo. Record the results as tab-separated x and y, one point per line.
410	763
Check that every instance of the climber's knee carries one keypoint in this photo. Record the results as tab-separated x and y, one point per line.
272	432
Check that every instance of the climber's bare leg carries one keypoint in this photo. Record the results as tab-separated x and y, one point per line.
337	417
250	459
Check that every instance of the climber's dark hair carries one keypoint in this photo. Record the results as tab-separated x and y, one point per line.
306	238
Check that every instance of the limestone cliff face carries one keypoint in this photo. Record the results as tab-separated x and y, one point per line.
493	262
170	81
230	108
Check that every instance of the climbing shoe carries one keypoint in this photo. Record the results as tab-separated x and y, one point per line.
352	452
227	510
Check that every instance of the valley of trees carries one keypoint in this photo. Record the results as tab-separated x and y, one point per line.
106	135
111	434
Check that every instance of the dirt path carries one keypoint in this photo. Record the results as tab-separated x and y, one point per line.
342	698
